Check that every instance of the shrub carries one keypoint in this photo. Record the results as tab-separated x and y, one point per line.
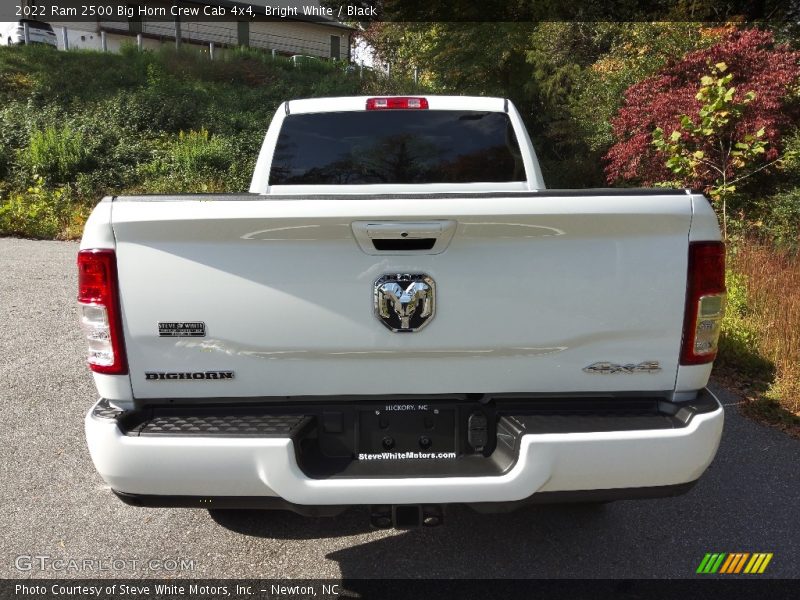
196	152
757	66
105	123
36	212
197	161
57	154
780	223
774	217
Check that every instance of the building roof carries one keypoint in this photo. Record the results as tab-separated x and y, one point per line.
320	20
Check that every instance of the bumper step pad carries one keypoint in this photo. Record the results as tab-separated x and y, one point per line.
213	421
257	425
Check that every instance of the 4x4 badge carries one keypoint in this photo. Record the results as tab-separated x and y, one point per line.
607	368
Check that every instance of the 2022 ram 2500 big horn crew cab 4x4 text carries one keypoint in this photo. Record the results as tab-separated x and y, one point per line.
399	314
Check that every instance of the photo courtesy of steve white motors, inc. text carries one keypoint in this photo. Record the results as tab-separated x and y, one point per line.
203	590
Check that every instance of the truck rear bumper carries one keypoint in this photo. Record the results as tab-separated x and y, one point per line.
213	471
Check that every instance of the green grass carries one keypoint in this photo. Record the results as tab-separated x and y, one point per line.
80	125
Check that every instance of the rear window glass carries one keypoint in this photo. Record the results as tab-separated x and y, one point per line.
396	146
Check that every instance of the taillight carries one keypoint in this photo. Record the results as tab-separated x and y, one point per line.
98	296
705	302
404	103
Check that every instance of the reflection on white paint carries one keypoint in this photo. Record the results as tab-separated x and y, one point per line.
257	235
233	349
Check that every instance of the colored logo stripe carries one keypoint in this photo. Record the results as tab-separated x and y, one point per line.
731	563
734	563
728	561
758	563
711	562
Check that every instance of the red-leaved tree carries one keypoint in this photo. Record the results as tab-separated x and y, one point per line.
757	65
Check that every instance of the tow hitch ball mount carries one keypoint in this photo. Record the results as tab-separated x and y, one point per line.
406	516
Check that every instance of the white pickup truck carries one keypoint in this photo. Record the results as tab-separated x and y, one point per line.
400	315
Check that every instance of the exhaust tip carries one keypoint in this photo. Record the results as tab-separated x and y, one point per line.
432	515
380	517
381	522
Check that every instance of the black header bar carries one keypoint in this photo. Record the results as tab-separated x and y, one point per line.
361	12
732	588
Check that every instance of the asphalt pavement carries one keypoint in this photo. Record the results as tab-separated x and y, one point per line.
55	505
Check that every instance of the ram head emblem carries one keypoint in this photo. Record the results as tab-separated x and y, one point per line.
404	302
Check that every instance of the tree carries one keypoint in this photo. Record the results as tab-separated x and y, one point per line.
638	51
459	58
581	71
752	104
712	146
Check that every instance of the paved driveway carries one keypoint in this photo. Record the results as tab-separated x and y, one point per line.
54	504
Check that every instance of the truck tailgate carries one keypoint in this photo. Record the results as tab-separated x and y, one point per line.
531	289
